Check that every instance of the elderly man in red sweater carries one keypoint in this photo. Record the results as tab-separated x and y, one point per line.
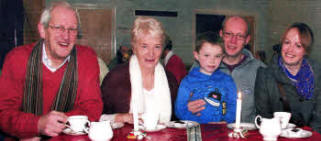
45	82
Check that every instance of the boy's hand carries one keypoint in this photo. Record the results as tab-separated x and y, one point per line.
196	106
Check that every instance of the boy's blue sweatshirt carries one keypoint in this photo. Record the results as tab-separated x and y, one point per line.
217	90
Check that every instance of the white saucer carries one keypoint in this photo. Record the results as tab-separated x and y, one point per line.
246	126
158	128
290	126
116	125
295	133
70	132
181	124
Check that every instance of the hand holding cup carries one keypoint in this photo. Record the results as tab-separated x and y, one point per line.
52	123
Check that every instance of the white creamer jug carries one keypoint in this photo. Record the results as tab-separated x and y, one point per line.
269	128
100	131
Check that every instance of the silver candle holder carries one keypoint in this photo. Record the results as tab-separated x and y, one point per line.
136	134
238	133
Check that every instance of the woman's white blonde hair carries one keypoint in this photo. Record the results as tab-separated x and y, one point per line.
147	25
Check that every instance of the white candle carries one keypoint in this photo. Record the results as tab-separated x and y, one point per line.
238	110
135	116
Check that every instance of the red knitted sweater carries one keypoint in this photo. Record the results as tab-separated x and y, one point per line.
19	124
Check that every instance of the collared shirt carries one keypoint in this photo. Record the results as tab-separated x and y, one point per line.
47	62
169	55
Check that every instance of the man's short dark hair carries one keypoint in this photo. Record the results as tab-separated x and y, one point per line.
168	45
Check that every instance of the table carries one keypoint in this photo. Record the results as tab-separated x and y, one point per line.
210	132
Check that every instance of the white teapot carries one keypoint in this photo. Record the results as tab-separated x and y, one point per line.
269	128
100	131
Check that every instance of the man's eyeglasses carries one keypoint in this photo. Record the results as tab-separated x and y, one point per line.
62	29
230	35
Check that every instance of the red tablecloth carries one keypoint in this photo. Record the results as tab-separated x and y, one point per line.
210	132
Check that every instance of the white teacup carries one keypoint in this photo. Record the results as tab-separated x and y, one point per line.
100	131
78	123
284	118
150	120
269	128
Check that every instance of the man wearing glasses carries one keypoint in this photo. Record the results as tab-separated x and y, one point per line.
239	63
45	82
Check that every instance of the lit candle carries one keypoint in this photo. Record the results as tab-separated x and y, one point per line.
238	110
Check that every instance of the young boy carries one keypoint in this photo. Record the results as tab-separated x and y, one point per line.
206	94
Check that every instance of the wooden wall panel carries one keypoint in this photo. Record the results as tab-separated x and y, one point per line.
96	26
33	9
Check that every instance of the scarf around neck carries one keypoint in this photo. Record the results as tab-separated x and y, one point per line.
303	80
163	104
32	101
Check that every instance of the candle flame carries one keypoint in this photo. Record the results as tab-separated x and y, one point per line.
239	95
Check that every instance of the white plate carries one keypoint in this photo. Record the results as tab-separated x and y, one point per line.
158	128
295	133
70	132
246	126
181	124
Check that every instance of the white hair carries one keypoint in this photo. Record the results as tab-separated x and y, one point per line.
46	14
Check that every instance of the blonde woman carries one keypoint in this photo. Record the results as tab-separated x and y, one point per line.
143	81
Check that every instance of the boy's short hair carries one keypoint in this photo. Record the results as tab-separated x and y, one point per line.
209	37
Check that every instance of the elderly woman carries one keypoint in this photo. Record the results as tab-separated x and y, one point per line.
292	82
143	82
